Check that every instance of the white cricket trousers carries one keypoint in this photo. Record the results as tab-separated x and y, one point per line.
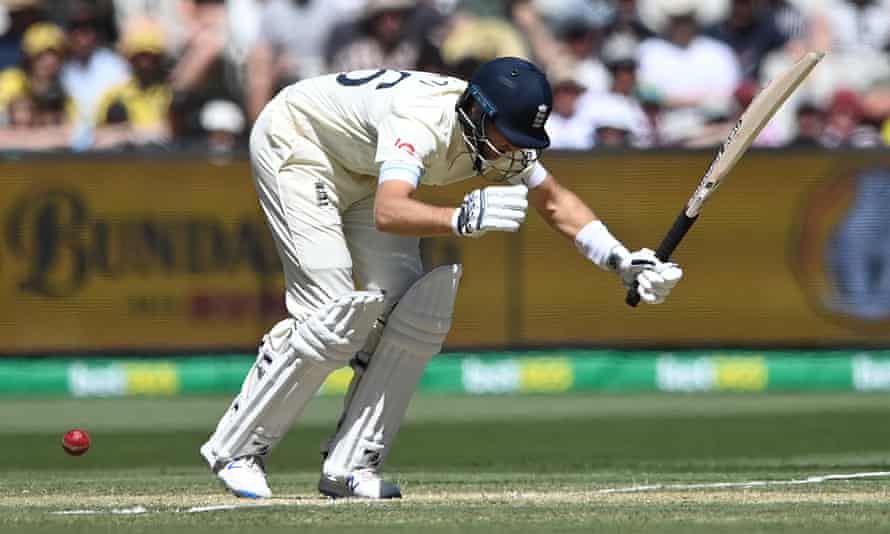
322	219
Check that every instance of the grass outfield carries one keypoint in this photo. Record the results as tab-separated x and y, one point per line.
486	464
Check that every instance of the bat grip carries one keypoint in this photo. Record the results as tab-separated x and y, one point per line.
678	230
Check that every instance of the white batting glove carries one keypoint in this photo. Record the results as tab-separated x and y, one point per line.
497	207
654	278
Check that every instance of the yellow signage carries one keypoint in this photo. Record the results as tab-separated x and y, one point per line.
138	255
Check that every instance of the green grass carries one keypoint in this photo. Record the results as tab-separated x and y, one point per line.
486	464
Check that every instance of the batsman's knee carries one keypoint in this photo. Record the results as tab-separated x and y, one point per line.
421	320
334	333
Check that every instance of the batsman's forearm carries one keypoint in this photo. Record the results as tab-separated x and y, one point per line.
410	217
563	210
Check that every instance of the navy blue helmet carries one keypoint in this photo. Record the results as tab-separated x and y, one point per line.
515	96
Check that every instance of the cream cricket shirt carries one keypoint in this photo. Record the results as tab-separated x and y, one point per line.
361	119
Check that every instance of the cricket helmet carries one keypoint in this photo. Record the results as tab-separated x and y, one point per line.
515	96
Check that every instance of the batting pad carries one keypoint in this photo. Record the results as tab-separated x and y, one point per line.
293	361
413	334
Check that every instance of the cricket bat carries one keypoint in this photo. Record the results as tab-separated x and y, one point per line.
754	118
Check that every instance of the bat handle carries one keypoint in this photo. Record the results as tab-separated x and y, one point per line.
671	240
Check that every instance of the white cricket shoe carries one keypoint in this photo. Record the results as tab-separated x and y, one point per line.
246	477
364	483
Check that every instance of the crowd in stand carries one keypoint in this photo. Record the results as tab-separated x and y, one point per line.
116	74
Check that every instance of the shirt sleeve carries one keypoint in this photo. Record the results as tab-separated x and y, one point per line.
408	135
399	170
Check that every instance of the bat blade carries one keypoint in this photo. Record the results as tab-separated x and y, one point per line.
759	112
752	121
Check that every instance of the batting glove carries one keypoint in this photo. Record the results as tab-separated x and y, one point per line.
497	207
654	279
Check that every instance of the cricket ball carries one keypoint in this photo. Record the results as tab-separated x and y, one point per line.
76	442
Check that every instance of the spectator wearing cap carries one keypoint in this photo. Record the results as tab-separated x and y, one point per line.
568	127
291	44
683	65
478	33
37	78
142	103
383	43
620	58
620	99
846	124
223	123
167	14
34	105
92	69
614	130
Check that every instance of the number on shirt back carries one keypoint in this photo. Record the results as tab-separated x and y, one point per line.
346	79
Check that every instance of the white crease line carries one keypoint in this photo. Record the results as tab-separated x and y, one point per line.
750	484
118	511
218	507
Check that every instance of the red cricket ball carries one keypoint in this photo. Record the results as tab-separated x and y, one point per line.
76	442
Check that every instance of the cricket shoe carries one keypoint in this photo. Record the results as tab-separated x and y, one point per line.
364	483
246	477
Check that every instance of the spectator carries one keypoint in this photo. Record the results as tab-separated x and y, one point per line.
751	32
35	126
19	15
791	23
684	65
846	126
142	103
167	14
856	35
223	123
242	33
620	58
627	22
575	33
33	101
650	102
203	71
615	128
619	102
478	36
858	26
810	126
383	41
21	113
201	64
291	44
568	127
91	69
38	77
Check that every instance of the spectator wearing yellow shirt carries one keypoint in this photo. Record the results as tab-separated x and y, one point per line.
43	46
143	102
34	109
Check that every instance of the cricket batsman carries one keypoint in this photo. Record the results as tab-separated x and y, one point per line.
336	161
